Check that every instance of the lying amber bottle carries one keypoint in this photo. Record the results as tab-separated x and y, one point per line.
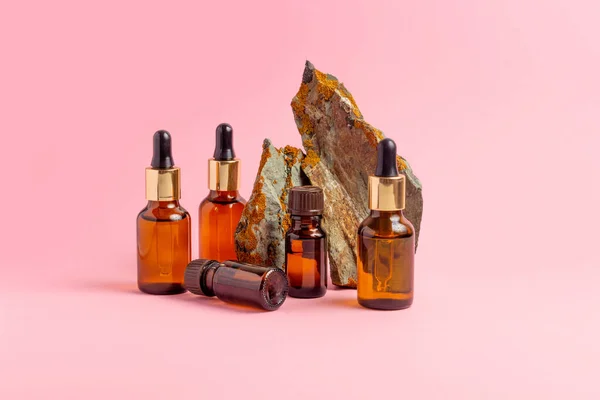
386	239
238	283
306	244
220	212
163	227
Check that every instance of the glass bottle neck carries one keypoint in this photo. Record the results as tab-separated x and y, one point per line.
306	222
208	278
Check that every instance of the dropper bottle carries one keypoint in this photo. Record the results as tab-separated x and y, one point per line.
163	226
386	239
220	212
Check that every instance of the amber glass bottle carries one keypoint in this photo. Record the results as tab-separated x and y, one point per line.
220	212
386	240
163	227
306	244
238	283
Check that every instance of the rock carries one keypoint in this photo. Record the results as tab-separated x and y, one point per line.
260	235
340	155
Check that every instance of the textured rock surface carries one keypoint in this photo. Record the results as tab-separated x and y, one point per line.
260	235
340	155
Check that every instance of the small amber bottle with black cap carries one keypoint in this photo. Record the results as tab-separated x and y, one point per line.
238	283
163	227
386	239
220	212
306	243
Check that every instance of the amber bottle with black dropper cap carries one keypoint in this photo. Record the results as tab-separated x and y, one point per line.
163	227
386	239
238	283
220	212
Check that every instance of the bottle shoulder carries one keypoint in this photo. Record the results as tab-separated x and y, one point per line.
386	226
210	207
213	198
164	214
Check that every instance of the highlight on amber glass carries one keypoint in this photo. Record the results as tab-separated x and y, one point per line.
163	226
238	283
220	212
386	239
306	244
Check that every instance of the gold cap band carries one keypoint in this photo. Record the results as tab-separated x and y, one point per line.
387	193
224	175
163	184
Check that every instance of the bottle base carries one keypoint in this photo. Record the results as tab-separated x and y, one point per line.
306	293
161	288
386	304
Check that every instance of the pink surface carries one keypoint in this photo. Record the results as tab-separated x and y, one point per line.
495	104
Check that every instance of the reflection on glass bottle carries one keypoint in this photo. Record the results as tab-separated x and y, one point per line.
386	240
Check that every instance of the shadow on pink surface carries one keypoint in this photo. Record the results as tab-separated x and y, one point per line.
185	298
336	298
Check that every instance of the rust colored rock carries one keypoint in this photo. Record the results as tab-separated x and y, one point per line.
340	155
260	235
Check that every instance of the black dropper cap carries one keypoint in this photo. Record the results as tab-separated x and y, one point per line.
162	156
386	159
224	143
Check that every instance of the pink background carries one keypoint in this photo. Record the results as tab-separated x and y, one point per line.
495	104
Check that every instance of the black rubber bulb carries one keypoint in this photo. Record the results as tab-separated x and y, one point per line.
386	159
162	156
224	143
